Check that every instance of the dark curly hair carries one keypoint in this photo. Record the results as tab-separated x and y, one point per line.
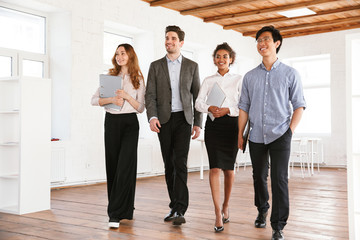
225	46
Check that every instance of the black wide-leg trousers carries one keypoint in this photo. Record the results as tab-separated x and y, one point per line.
279	153
174	140
121	142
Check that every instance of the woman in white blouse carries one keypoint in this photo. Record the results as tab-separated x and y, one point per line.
122	134
221	132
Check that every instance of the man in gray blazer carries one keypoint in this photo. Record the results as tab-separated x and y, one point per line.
172	88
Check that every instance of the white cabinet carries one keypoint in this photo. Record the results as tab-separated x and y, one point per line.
25	150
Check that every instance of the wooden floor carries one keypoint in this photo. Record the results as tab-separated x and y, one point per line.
318	210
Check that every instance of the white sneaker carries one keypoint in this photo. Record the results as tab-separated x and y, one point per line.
114	224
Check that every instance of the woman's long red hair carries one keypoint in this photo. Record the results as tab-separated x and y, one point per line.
133	66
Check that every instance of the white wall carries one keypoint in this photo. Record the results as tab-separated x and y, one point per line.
76	60
82	59
333	44
353	151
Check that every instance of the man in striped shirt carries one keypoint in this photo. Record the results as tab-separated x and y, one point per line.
272	99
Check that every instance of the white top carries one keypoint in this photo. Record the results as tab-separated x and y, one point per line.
137	94
229	83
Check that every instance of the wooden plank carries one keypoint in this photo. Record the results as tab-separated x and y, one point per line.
268	10
217	6
162	2
318	210
285	19
317	25
320	24
318	31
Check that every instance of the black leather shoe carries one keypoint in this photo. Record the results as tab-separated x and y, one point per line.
277	235
169	217
260	221
178	219
219	229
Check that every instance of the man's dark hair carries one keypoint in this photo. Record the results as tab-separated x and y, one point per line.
225	46
274	32
173	28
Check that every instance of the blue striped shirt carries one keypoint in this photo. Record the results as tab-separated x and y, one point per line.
174	74
269	98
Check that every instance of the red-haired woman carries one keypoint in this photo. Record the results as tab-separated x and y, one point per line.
122	134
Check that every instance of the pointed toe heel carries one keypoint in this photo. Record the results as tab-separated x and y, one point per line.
225	220
219	229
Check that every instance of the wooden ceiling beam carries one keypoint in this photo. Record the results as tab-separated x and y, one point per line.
162	2
314	31
193	11
267	10
321	24
317	31
273	21
316	25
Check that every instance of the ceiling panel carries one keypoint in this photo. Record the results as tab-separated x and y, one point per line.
248	16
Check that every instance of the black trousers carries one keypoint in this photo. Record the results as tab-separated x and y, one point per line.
121	142
174	140
279	152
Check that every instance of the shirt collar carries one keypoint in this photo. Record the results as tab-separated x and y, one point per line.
275	65
178	60
218	74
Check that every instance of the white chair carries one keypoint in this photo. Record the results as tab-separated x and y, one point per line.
301	152
242	158
316	153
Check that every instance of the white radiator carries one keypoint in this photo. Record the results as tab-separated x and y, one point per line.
57	165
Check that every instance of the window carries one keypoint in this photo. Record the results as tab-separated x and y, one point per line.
33	68
315	77
5	69
22	31
22	44
111	41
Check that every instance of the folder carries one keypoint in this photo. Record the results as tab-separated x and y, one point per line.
108	86
246	135
216	98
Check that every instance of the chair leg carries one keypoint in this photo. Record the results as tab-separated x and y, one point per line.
310	164
244	163
301	167
289	169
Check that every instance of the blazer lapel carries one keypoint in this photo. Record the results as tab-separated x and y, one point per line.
166	69
182	70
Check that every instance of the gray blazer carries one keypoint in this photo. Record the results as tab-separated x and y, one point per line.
158	91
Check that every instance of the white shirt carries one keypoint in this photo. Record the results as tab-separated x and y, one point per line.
229	83
137	94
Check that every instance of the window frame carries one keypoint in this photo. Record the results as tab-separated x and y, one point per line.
106	67
20	55
314	86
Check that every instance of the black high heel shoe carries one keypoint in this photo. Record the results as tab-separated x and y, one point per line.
226	220
219	229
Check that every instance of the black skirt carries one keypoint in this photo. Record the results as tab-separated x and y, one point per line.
221	140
